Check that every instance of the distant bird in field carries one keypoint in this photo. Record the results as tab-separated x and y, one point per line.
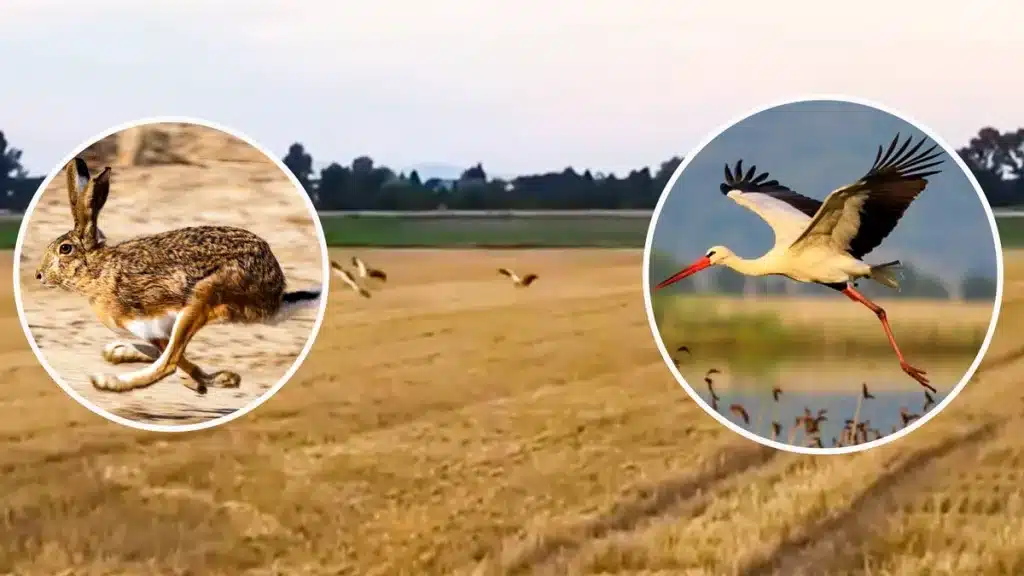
681	349
820	417
776	430
846	435
711	389
862	431
349	281
823	242
864	391
776	392
811	422
365	271
523	282
740	411
929	402
907	417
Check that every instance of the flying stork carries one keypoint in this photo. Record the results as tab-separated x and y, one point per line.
523	282
824	242
349	281
365	271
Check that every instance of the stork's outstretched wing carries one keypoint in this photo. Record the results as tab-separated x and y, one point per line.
786	211
856	218
360	266
509	273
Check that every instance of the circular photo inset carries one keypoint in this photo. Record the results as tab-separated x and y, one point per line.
170	274
823	276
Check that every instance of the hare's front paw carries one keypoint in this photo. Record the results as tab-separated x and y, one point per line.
121	352
108	382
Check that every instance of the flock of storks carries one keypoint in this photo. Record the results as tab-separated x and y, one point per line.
358	277
854	430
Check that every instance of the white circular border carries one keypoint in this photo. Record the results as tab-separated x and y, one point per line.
996	308
321	312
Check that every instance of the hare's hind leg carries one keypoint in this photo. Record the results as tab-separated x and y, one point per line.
218	379
124	352
196	314
199	378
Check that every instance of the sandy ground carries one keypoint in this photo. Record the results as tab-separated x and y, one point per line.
455	425
143	200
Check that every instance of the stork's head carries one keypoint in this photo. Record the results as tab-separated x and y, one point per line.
718	254
713	257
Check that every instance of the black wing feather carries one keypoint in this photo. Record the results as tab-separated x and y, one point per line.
760	184
895	179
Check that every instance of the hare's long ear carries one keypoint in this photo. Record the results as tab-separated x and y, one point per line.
90	203
77	173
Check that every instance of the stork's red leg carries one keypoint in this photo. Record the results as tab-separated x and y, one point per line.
914	373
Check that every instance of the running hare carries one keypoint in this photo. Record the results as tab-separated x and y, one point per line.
164	288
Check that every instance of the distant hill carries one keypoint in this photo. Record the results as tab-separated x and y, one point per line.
815	148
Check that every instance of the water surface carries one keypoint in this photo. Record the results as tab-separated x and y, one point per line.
830	384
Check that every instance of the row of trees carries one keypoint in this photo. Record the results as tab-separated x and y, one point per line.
364	185
996	158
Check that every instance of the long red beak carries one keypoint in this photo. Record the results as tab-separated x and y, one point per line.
688	271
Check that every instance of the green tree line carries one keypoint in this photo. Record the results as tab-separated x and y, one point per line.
996	158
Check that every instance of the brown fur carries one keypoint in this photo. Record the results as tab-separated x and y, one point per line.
148	276
206	274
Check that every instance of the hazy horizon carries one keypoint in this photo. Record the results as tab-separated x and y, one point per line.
523	88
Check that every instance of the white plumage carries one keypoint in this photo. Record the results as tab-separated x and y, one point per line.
824	242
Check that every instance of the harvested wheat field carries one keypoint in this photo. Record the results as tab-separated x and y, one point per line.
453	424
246	190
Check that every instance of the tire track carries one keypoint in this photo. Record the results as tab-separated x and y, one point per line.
312	458
813	548
528	554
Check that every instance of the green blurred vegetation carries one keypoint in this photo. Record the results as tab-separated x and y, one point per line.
1011	232
450	232
752	337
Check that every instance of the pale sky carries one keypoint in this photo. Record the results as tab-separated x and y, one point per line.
522	86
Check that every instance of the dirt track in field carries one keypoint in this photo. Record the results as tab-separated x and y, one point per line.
254	195
453	424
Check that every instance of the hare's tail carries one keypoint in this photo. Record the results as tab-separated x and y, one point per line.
293	303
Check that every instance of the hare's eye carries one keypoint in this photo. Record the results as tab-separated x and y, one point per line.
66	248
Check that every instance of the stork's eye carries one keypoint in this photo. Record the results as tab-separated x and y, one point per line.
66	248
711	253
